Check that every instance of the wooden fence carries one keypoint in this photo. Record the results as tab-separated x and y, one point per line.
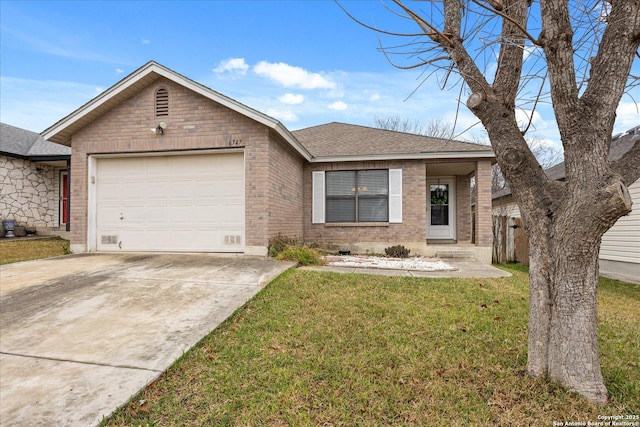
510	242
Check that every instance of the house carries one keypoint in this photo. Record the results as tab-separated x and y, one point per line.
34	178
620	250
162	163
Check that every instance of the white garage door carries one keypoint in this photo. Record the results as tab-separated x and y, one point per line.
177	203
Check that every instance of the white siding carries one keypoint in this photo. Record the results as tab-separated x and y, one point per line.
622	241
506	207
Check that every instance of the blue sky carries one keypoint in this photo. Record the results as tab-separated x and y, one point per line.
302	62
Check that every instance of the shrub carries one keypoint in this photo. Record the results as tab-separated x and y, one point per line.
279	244
303	254
397	251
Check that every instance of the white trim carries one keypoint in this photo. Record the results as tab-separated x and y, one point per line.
92	169
395	195
168	153
407	156
317	197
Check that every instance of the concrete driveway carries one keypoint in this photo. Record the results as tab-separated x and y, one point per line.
81	334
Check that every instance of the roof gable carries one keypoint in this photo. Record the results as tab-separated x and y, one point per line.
341	141
24	143
61	131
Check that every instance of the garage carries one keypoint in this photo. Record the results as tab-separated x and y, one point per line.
169	203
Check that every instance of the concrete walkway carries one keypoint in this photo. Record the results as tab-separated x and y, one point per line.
462	267
81	334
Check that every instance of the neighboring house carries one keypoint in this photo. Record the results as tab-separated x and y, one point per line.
162	163
34	179
620	250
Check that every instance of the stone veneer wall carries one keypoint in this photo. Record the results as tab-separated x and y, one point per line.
28	196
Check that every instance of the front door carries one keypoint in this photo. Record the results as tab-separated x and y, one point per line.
64	197
441	209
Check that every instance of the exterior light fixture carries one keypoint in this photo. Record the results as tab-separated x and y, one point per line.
161	127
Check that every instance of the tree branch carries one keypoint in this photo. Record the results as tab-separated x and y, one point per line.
510	60
612	64
556	39
498	11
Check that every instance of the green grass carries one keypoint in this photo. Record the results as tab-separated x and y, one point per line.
25	250
317	348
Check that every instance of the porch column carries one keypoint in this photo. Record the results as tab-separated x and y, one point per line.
484	233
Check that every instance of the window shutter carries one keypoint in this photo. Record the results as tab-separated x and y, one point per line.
395	195
317	203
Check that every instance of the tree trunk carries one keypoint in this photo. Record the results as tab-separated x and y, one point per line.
563	342
563	279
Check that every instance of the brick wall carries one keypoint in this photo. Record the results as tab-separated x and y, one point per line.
414	213
484	232
194	122
463	208
285	200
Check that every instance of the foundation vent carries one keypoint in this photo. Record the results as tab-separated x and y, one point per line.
109	240
232	240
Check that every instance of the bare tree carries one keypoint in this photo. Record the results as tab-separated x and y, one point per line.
514	54
547	155
435	128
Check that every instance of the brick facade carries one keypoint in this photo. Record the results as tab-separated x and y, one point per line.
484	226
463	208
194	122
413	226
278	179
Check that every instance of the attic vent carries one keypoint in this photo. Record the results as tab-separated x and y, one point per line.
162	102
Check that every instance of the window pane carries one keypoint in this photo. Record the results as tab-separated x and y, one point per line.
439	194
341	183
373	209
373	182
341	209
439	215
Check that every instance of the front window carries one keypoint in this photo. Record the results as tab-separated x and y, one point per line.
357	196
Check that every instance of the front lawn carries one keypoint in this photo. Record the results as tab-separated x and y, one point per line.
28	249
317	348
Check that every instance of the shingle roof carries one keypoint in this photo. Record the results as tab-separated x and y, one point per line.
346	140
620	144
24	143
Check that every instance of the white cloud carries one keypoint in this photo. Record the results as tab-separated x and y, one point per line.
523	117
290	76
285	115
374	97
627	117
233	65
291	99
119	71
338	106
146	41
